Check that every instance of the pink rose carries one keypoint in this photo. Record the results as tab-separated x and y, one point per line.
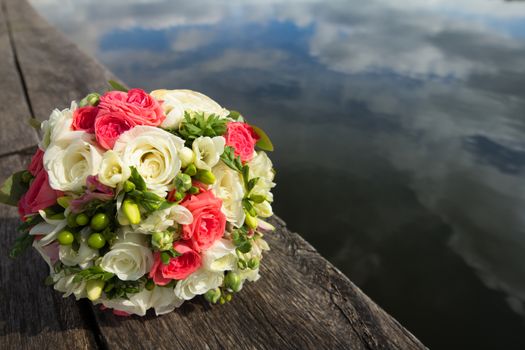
208	223
177	268
109	126
84	119
242	138
139	107
37	162
39	196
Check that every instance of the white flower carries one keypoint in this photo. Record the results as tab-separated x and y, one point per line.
220	256
176	102
155	154
208	151
160	220
198	283
83	257
161	298
57	128
48	252
69	167
129	258
112	170
261	167
64	283
229	188
49	228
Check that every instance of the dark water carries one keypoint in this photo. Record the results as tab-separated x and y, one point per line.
399	128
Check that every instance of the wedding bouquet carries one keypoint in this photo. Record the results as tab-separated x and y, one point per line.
141	201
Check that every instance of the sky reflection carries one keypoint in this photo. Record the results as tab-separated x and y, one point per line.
404	120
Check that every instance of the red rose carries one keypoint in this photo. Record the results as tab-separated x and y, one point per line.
139	107
39	196
37	162
242	138
84	119
208	223
178	268
109	126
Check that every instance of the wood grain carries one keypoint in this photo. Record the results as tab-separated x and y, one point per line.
33	315
301	301
14	134
55	70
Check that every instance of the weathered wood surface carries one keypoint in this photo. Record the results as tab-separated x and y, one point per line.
31	314
301	301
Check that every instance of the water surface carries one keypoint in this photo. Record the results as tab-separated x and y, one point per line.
399	128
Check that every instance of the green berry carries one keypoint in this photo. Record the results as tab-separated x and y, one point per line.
65	237
232	281
82	219
96	241
99	222
72	220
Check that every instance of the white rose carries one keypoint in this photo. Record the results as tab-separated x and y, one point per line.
155	154
57	128
229	188
64	283
208	151
129	258
198	283
83	257
161	220
220	256
112	170
176	102
161	298
69	167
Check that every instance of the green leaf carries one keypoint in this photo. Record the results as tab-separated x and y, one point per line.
235	115
93	273
135	177
229	158
198	124
13	189
21	244
117	86
252	183
264	142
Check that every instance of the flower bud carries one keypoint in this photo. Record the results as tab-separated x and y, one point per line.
232	280
205	176
90	100
94	289
128	186
251	221
149	284
162	240
131	211
191	170
257	198
186	156
213	295
193	190
182	182
253	263
72	220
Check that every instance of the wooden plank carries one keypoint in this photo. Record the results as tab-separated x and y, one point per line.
55	70
300	302
14	133
33	315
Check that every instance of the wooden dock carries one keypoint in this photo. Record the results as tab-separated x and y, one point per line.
301	302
